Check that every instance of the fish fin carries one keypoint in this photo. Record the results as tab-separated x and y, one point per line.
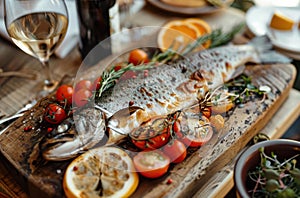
261	43
238	71
265	52
273	57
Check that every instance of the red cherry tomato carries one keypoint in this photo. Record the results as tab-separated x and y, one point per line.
83	84
64	94
127	75
151	164
138	56
97	84
81	97
176	150
54	114
198	131
117	67
151	135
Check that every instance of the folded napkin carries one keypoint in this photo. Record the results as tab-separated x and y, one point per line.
72	36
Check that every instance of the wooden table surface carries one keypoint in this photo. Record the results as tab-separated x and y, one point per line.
17	91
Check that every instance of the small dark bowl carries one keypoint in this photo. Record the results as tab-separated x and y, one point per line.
250	158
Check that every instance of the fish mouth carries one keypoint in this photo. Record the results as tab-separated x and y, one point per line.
74	135
87	128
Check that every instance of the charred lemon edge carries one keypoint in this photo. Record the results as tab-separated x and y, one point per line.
76	193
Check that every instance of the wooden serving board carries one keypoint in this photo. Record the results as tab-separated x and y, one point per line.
41	178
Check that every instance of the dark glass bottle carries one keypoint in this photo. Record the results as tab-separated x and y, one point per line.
94	19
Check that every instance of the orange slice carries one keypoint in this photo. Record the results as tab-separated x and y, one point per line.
177	34
203	27
104	171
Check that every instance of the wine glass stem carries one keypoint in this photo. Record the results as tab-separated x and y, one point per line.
49	83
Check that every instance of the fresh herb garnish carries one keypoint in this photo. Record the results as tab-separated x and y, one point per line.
242	90
110	77
238	91
217	37
273	178
221	39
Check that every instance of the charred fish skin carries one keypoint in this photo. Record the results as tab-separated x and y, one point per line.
220	63
74	135
168	88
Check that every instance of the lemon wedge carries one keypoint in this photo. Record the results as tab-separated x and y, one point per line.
281	22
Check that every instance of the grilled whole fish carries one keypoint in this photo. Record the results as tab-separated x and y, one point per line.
169	88
166	89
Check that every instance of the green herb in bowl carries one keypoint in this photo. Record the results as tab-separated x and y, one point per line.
268	169
275	178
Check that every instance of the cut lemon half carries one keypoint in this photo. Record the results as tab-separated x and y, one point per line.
177	34
101	172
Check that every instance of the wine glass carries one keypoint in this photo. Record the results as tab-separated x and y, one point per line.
37	27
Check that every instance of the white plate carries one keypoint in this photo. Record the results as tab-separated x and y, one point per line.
258	19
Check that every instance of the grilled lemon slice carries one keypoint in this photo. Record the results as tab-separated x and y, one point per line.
101	172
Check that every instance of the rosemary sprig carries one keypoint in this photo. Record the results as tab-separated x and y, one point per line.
217	37
110	77
165	56
224	38
190	47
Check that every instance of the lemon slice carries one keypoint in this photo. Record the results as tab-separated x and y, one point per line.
281	22
101	172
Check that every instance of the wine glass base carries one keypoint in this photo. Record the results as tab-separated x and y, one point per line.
50	86
47	89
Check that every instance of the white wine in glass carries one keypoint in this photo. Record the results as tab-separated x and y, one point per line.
37	27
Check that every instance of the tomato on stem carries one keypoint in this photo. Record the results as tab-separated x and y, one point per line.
138	56
151	135
117	68
196	131
54	114
176	150
64	93
151	164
